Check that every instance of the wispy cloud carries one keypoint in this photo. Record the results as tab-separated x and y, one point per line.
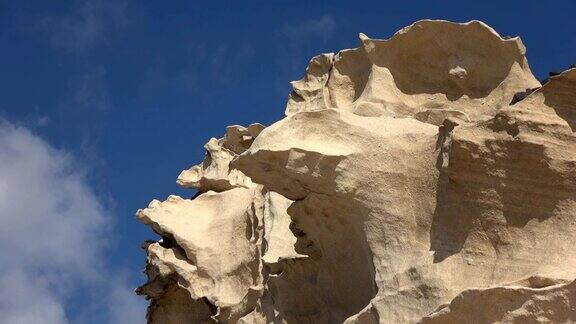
221	60
53	236
88	91
323	27
88	24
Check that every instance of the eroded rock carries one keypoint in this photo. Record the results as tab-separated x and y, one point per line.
402	187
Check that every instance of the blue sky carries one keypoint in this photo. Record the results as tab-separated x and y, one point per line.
102	103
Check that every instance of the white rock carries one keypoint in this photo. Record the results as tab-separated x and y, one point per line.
401	187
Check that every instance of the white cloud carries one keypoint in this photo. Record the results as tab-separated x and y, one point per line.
88	24
28	300
53	237
323	27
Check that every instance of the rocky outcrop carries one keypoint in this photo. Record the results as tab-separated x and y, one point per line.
429	68
414	179
546	302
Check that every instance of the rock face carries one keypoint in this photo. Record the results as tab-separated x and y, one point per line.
401	187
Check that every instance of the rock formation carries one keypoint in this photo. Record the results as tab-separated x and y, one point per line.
425	178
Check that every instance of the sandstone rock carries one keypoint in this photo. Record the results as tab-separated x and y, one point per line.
551	304
401	187
214	252
428	65
213	173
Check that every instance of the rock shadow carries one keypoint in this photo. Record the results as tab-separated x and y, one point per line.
447	58
337	280
560	94
510	184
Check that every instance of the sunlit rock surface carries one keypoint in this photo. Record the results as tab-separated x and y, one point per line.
424	178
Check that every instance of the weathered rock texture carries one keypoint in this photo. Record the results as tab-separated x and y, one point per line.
403	186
